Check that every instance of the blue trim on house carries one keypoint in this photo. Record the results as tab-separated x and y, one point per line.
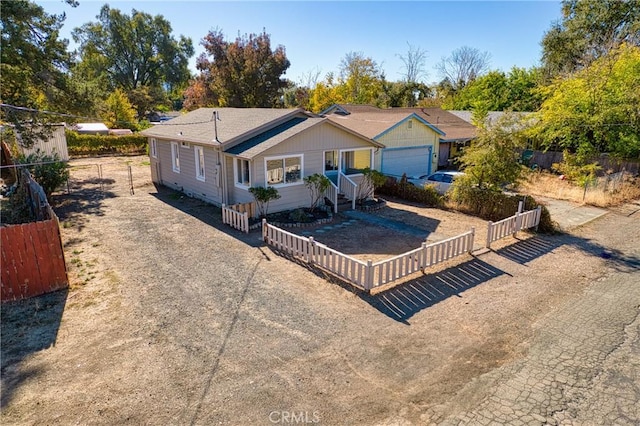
412	116
265	136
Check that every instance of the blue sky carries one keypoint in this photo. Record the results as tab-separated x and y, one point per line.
317	35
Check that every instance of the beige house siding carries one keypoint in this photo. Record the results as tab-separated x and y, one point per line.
323	137
402	136
209	190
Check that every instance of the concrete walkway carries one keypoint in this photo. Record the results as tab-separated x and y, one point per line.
571	215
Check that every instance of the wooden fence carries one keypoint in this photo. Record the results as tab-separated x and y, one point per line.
32	255
366	275
511	225
237	215
389	270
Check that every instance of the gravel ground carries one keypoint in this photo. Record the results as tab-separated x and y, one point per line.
173	318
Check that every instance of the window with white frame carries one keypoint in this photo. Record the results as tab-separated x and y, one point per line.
175	157
199	153
153	148
243	176
284	170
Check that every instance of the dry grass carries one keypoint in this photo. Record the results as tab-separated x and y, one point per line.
605	193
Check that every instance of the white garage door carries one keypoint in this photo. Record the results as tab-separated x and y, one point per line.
412	161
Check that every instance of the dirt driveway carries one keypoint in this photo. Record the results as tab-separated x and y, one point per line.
173	318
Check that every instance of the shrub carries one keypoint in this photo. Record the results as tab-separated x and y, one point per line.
263	196
496	205
105	144
317	184
48	170
406	191
371	180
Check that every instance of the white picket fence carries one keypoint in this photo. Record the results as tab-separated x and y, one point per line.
366	275
511	225
236	219
389	270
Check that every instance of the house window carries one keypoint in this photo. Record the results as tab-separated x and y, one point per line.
410	124
199	152
243	176
185	144
175	157
153	149
284	170
330	160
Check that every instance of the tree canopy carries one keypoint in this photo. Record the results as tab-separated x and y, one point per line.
589	30
497	91
135	52
33	65
597	109
242	73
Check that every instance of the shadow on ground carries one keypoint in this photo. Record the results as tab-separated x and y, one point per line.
204	212
27	326
405	300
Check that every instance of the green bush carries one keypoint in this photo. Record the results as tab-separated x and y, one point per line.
79	145
406	191
48	170
496	205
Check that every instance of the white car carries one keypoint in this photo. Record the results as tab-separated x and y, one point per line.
441	180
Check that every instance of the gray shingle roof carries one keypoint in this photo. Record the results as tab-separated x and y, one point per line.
199	126
272	137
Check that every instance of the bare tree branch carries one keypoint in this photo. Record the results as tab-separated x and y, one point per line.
464	65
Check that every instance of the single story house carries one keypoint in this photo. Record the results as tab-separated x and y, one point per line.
217	154
417	141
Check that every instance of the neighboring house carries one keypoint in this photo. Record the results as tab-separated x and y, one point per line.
217	154
417	141
91	129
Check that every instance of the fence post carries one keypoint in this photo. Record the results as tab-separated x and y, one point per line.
264	230
473	234
245	222
368	285
489	234
518	218
312	249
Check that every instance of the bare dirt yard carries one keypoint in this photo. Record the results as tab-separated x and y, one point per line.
174	318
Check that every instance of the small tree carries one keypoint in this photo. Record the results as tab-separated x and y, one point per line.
317	184
263	196
371	180
492	160
119	112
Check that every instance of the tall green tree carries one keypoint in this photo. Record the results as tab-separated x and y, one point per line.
497	91
589	30
136	53
242	73
33	65
597	109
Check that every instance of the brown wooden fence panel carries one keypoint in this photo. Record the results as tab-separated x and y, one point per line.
32	260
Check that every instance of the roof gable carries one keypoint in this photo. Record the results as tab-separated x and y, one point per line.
412	116
272	137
